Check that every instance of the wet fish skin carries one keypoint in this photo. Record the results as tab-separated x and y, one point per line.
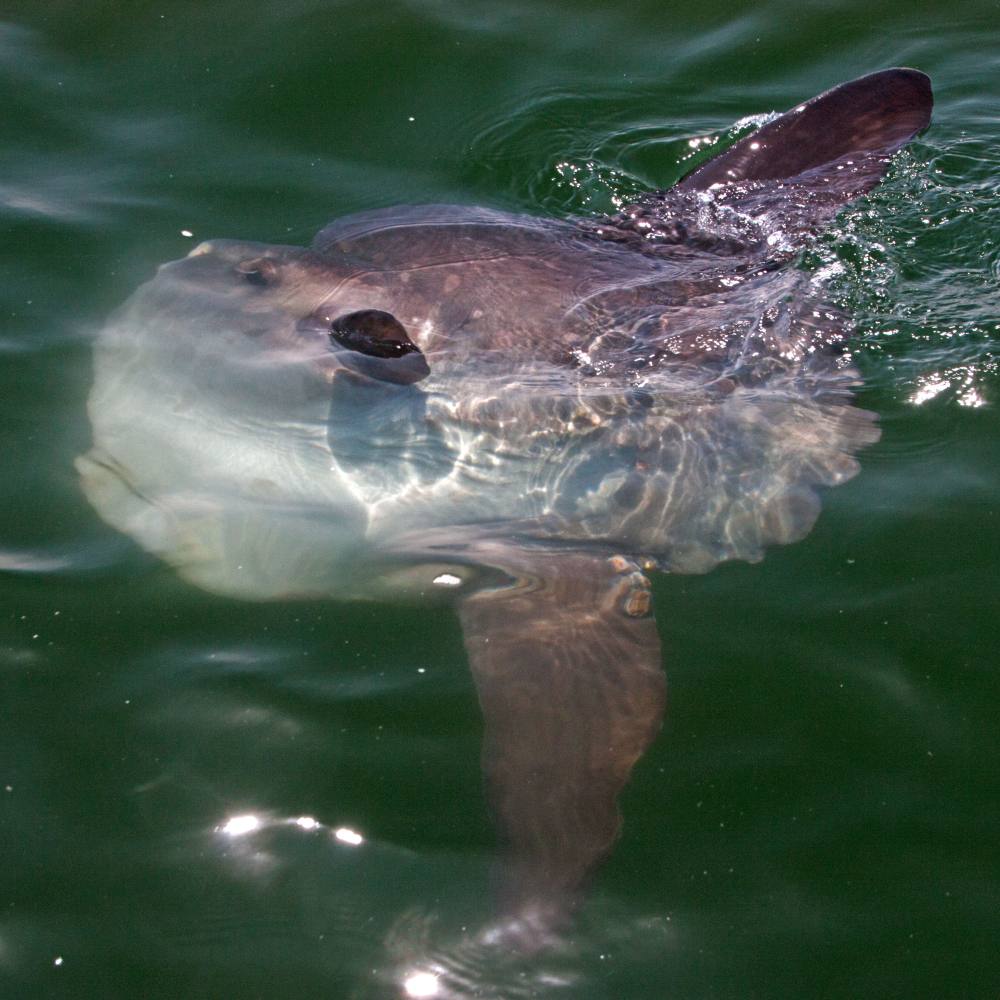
519	415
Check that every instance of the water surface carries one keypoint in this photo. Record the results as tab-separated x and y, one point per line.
819	815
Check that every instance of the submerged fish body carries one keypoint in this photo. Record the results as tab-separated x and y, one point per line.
521	413
676	406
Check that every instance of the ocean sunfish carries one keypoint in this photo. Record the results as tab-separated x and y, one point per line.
524	416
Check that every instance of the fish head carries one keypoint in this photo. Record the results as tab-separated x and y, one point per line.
219	387
269	316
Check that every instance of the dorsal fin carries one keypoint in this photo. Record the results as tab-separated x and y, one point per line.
871	117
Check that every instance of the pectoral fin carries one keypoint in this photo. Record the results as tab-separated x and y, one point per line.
566	663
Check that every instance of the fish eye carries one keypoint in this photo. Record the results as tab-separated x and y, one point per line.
377	346
373	332
260	272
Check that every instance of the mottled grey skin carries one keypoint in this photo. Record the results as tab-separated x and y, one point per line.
572	403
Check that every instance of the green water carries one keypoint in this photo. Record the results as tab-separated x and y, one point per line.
819	816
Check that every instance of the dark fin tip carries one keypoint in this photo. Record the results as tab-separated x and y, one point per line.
871	117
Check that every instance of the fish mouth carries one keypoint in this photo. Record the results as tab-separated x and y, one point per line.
97	467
